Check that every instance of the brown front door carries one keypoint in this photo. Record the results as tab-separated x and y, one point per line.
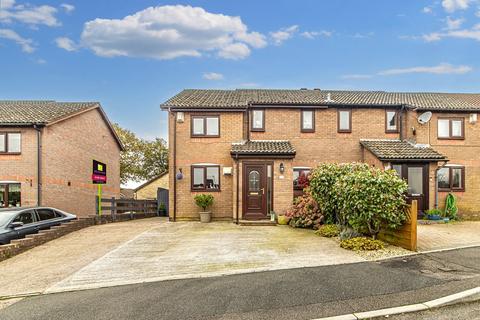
416	176
255	191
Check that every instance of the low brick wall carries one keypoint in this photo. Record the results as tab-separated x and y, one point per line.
32	240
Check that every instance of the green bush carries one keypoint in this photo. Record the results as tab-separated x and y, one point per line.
434	212
358	196
370	199
322	186
360	243
328	230
305	213
203	201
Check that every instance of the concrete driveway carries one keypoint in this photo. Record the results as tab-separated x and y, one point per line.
447	236
154	249
191	250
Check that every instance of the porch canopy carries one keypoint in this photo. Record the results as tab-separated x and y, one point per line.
263	149
401	150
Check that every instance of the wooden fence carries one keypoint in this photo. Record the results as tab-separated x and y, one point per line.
113	206
406	235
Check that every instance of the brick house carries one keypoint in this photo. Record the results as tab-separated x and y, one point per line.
253	148
46	154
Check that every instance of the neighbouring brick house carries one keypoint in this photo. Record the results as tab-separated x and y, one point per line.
46	154
149	189
252	149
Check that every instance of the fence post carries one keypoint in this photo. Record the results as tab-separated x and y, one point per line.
113	209
97	207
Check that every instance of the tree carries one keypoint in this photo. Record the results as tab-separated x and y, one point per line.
142	159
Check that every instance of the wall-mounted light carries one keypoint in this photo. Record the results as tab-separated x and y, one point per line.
179	174
282	168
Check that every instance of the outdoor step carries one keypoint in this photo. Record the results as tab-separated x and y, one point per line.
257	223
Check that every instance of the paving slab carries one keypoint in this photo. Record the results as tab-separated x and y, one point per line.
448	235
191	250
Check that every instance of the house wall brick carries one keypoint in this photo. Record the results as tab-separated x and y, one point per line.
192	151
22	168
68	148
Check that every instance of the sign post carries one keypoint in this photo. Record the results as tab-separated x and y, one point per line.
99	177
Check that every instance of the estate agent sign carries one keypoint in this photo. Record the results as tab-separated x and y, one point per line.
99	174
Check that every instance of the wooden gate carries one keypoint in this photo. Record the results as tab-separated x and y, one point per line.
406	235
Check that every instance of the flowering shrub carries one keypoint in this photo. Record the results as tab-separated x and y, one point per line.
358	196
305	213
328	231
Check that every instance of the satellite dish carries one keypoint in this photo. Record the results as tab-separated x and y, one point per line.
424	117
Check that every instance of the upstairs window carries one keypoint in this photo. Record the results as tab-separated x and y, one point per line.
205	178
10	142
258	120
205	126
451	178
450	128
308	121
391	121
344	119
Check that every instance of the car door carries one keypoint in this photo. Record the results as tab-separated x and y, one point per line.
29	224
47	218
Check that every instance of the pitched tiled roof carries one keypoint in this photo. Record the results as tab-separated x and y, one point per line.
263	147
242	98
386	149
28	112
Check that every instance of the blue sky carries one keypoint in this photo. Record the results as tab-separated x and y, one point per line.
133	55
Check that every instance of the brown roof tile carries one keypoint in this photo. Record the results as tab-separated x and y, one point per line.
242	98
263	147
386	149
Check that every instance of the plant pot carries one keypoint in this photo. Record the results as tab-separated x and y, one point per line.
434	217
205	217
283	220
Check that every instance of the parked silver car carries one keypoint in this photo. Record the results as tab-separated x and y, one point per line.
16	223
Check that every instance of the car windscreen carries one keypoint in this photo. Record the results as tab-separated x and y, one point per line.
5	217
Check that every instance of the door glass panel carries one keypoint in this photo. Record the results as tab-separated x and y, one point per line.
415	180
269	188
254	181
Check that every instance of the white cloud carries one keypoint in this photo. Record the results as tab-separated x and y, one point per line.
443	68
28	14
314	34
212	76
356	76
453	24
168	32
473	34
427	10
283	34
66	44
41	61
454	5
26	44
363	35
477	13
67	7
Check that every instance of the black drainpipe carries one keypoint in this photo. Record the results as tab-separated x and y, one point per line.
39	164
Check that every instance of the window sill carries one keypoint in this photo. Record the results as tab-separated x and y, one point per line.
451	138
204	190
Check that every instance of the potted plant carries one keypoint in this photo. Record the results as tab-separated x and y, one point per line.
204	201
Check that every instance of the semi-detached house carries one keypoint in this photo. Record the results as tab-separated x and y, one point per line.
47	150
251	149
